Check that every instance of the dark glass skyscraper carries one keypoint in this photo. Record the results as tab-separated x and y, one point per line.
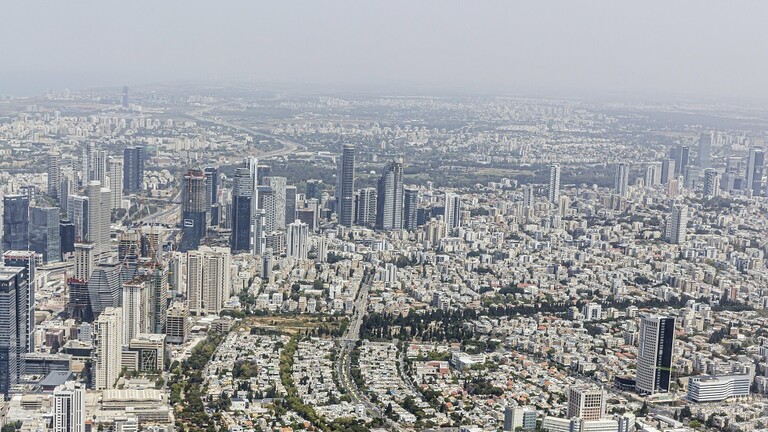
193	210
755	163
13	330
44	236
410	209
25	311
345	188
15	222
133	169
389	201
242	195
212	194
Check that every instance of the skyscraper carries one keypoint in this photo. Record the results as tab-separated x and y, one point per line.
528	197
242	195
211	193
13	333
276	207
108	348
44	233
452	211
297	240
654	355
208	279
54	174
136	308
27	261
314	189
667	170
676	224
682	159
99	212
115	175
77	213
345	189
290	204
554	183
193	210
755	162
15	222
105	286
389	201
69	407
410	209
365	207
621	181
133	169
711	182
653	174
158	293
705	150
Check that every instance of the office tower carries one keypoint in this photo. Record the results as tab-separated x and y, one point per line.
290	204
208	279
99	167
676	224
262	172
13	331
528	197
308	216
345	187
212	193
193	210
389	200
297	240
276	207
452	211
67	236
259	232
129	247
79	301
554	183
25	260
67	187
115	175
54	174
410	209
77	213
99	212
44	233
654	355
621	181
266	264
158	298
365	207
711	182
133	169
704	159
586	402
69	407
691	177
242	195
755	162
108	348
105	286
177	324
682	159
314	189
15	222
667	170
125	100
653	174
136	308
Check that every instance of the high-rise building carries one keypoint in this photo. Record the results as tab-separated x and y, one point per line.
242	195
621	181
99	213
44	233
259	232
653	174
345	188
554	183
676	224
683	153
54	174
667	170
705	150
177	325
158	297
755	163
77	213
108	348
587	403
69	407
125	101
136	307
389	201
79	304
115	175
314	189
211	193
654	356
291	195
275	207
25	260
520	418
711	182
133	169
13	330
297	240
365	207
105	286
452	211
15	222
528	196
410	209
208	279
193	210
99	167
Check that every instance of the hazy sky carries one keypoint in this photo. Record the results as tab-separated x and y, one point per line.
669	47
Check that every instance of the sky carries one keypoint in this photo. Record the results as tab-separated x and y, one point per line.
664	48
